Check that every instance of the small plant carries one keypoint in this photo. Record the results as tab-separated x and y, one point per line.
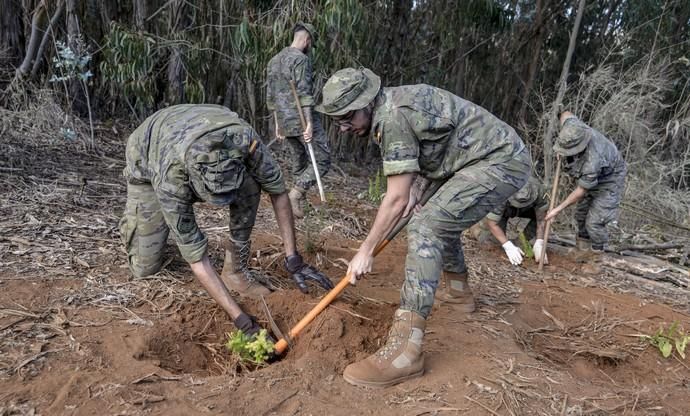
377	187
665	340
526	246
72	62
255	349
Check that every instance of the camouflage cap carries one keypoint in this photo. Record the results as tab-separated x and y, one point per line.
347	90
310	29
526	195
573	138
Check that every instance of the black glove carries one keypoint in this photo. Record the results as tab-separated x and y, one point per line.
249	327
301	271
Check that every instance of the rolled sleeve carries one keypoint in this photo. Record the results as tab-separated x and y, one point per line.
399	145
264	169
497	213
588	181
303	80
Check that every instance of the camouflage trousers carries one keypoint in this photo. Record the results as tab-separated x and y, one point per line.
144	231
300	162
599	207
433	235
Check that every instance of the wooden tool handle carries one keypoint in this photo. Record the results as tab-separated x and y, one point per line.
547	228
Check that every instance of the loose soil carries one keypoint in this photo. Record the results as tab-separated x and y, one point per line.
80	336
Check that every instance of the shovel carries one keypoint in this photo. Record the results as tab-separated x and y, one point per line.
282	343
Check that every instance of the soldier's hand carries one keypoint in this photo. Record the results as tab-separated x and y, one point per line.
514	253
279	136
308	133
249	327
552	214
361	264
301	272
538	249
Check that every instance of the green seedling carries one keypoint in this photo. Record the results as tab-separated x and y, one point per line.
251	349
666	340
526	246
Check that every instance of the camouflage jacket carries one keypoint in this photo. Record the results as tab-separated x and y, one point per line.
600	162
431	131
289	64
530	196
191	153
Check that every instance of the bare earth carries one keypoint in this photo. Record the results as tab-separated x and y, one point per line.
79	336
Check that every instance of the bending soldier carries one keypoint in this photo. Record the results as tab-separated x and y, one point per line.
528	202
597	165
191	153
428	132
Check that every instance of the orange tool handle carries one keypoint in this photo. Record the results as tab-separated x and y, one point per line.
282	344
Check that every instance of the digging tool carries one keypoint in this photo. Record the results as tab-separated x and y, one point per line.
274	326
282	343
552	203
309	146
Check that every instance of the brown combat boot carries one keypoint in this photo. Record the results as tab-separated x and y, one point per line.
399	360
457	292
236	274
297	197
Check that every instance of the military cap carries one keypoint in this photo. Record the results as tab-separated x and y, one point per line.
573	138
310	29
347	90
526	195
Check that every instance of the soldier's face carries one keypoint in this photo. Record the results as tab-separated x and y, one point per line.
357	122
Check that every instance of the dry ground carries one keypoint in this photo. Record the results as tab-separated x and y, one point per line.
80	336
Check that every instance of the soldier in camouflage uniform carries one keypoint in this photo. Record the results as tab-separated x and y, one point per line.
293	64
204	153
597	165
427	132
528	202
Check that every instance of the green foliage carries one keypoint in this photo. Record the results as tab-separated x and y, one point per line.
666	340
526	246
377	187
71	63
251	349
127	65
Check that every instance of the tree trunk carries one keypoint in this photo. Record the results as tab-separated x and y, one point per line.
176	71
11	31
37	23
534	62
562	83
140	14
76	89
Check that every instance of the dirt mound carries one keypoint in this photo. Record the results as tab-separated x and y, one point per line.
191	340
341	333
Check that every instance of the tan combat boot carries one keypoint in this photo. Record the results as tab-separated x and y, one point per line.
457	292
236	274
400	359
297	196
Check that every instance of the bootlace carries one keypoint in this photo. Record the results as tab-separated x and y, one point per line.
244	252
395	340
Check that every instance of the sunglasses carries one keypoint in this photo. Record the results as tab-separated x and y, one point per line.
345	120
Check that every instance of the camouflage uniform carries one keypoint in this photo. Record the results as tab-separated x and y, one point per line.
597	165
185	154
426	130
528	202
292	64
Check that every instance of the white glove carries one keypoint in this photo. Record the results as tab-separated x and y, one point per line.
514	253
538	248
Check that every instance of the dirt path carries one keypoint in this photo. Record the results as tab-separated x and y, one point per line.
80	337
